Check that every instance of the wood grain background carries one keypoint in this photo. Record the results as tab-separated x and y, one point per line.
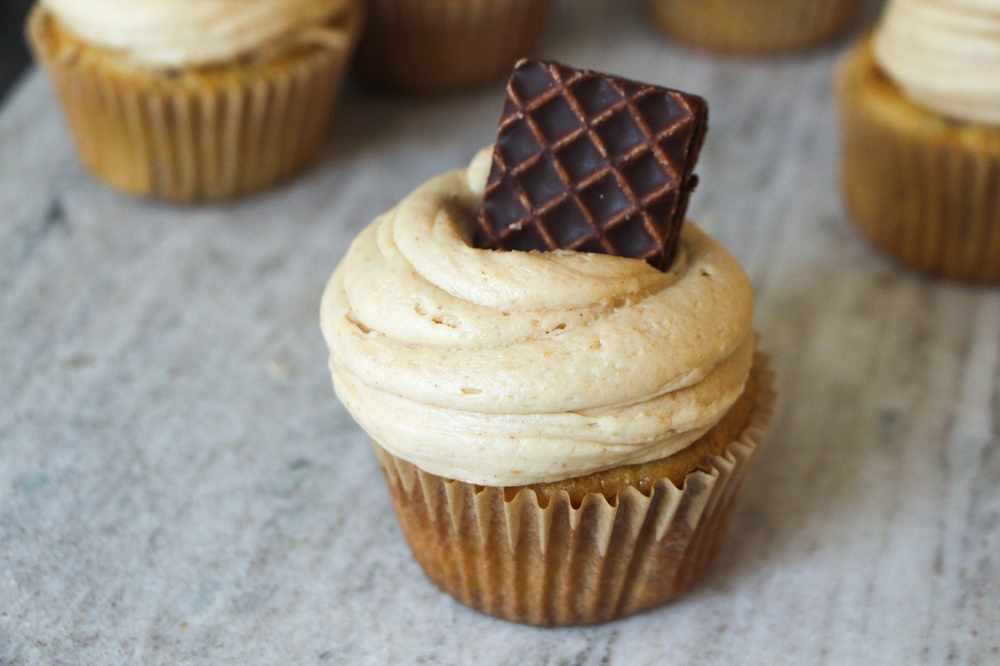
178	484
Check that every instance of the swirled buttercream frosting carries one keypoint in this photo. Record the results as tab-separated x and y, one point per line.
180	33
945	55
509	368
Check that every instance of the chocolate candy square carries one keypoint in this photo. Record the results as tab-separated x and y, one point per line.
589	162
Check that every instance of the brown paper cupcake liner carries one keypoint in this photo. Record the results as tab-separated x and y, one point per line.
209	133
920	187
756	26
563	564
429	46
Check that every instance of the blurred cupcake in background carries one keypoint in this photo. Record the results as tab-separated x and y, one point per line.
920	116
195	99
435	46
756	26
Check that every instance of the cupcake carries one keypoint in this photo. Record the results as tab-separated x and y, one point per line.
195	99
562	431
435	46
920	118
756	26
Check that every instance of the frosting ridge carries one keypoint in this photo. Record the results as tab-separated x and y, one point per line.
509	368
945	55
178	33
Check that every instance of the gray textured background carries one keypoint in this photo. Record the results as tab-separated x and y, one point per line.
178	484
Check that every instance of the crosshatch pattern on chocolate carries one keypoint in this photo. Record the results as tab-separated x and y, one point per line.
589	162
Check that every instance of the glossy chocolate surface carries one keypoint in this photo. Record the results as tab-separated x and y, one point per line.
589	162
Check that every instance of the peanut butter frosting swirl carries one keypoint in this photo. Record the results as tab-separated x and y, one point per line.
180	33
945	55
509	368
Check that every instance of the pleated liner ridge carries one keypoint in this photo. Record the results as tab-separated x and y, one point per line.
428	46
215	134
756	25
560	564
918	186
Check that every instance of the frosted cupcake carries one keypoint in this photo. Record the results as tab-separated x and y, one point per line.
562	432
756	26
559	377
920	117
195	99
434	46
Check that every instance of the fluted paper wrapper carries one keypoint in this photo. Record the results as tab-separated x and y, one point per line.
756	26
921	188
429	46
560	564
210	134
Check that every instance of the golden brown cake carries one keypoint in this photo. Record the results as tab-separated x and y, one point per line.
674	468
198	131
434	46
919	185
588	549
755	26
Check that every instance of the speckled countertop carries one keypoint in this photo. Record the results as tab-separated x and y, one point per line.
178	484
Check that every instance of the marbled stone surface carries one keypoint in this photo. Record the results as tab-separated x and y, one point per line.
178	484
